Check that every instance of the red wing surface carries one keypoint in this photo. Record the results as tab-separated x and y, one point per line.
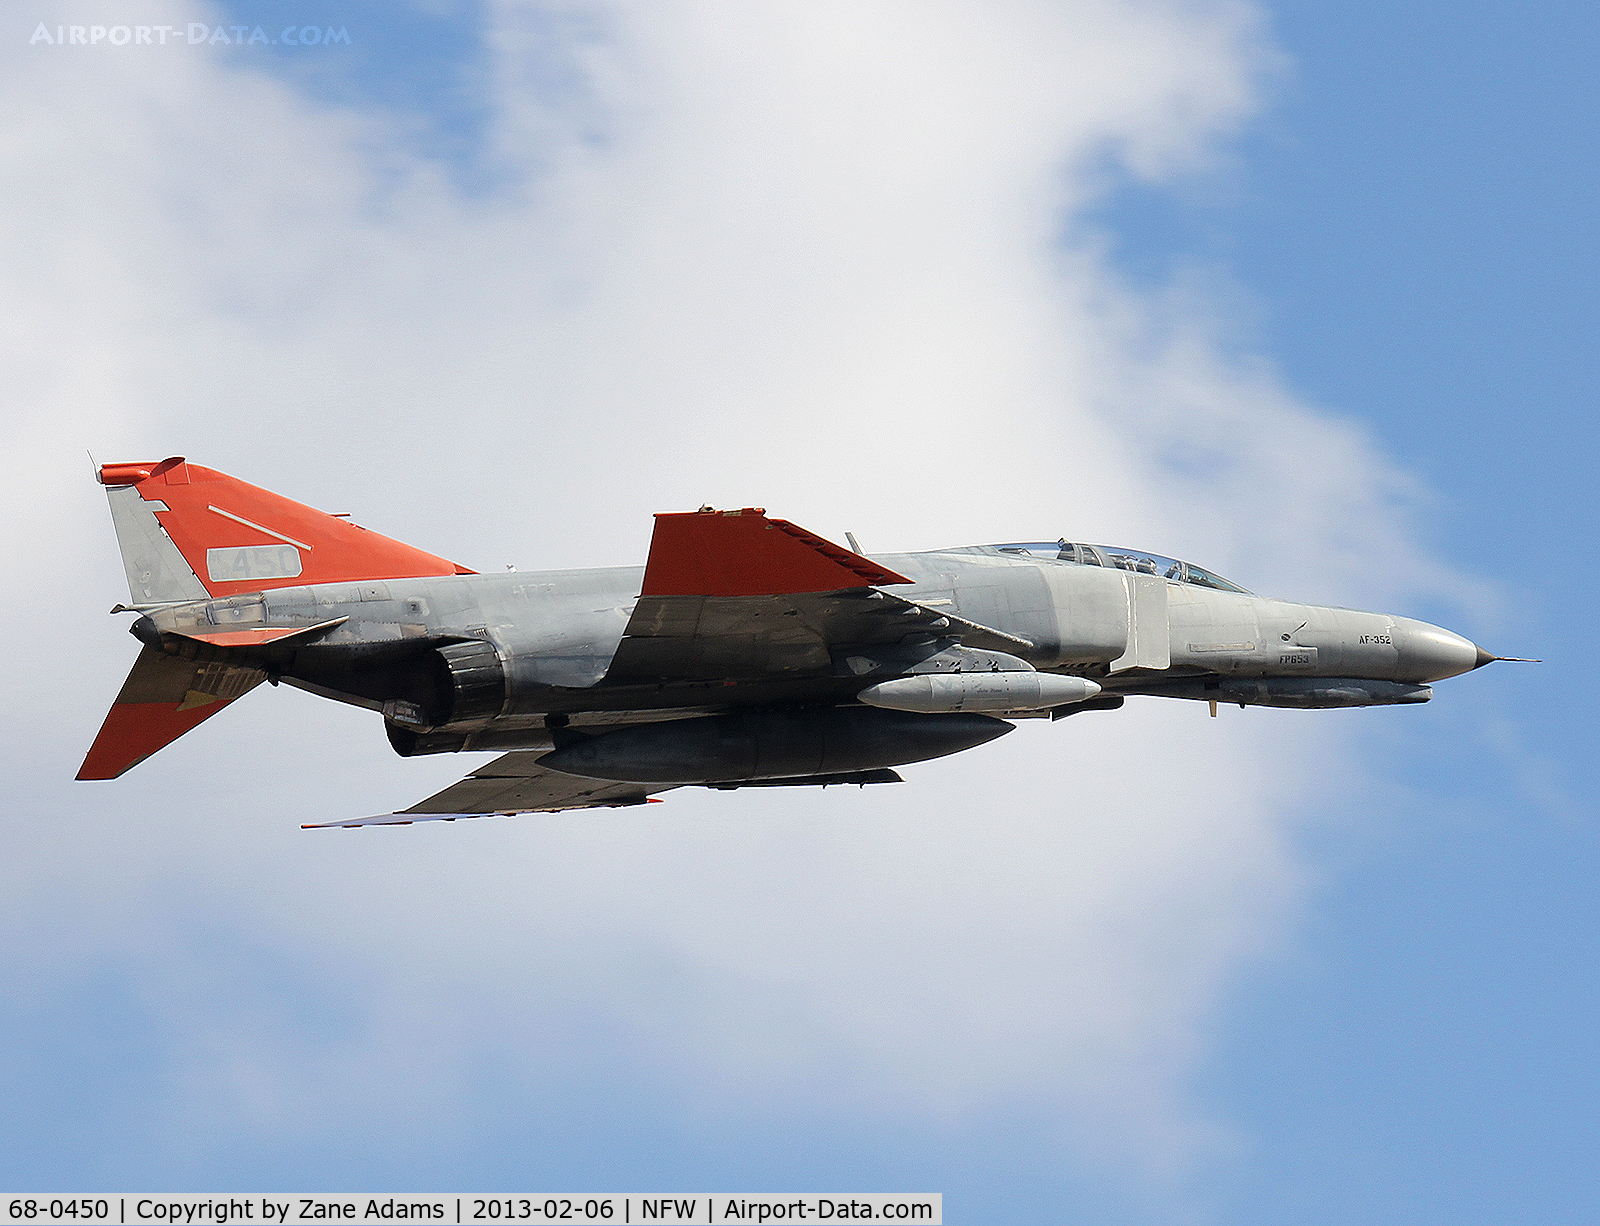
743	553
734	596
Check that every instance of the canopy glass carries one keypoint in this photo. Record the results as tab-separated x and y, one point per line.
1124	559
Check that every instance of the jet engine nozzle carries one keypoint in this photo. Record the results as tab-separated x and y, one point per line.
952	692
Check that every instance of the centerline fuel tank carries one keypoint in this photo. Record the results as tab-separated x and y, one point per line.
770	744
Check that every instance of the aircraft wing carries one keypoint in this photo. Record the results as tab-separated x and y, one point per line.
512	783
733	595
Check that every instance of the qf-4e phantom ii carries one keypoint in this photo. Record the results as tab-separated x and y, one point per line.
747	652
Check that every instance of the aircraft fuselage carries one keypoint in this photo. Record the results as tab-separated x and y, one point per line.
746	652
490	661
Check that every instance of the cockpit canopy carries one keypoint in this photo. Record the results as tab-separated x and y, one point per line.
1124	559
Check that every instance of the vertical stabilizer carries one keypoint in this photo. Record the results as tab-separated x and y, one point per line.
157	572
191	533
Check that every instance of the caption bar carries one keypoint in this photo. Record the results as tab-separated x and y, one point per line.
458	1209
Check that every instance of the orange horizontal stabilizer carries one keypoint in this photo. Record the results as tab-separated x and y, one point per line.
743	553
163	698
135	730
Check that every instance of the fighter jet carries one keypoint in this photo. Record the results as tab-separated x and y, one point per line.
746	652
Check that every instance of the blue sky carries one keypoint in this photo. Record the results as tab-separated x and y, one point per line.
1415	219
1412	221
1380	215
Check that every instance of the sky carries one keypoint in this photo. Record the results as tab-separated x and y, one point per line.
1300	292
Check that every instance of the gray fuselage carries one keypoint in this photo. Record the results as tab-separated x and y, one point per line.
489	661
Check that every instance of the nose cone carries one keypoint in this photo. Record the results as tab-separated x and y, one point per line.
1432	653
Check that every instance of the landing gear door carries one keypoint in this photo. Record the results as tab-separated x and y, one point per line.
1149	640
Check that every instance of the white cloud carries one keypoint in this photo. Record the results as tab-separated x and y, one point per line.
824	258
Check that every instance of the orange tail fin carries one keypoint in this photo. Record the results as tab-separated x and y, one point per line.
189	532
